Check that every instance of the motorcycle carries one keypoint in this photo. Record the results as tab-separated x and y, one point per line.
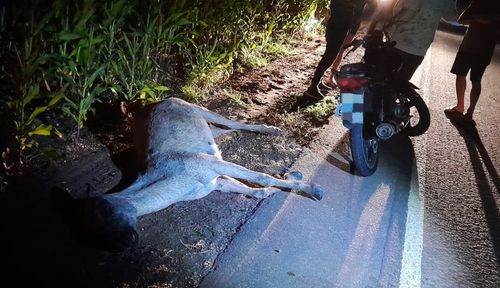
374	103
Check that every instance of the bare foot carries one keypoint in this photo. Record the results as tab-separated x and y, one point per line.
453	110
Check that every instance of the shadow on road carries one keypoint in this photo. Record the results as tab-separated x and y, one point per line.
373	230
479	157
353	237
340	155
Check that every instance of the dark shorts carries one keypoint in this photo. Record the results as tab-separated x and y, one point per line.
339	24
467	61
345	17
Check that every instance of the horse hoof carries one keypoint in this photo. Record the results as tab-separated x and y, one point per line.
274	131
295	175
317	193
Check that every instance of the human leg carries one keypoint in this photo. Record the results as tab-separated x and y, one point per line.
460	86
460	67
477	71
355	22
336	31
474	97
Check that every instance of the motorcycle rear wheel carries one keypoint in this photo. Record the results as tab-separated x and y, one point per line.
424	117
364	151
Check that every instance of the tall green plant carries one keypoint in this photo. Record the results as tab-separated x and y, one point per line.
134	68
27	94
80	65
27	114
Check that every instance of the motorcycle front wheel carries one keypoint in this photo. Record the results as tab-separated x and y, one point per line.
420	116
364	151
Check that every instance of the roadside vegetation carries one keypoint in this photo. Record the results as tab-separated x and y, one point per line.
60	58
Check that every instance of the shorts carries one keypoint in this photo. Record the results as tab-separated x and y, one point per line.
351	16
465	61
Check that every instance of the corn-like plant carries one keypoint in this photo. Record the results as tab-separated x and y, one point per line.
27	93
81	67
24	128
208	58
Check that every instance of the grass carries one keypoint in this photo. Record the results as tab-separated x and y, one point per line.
236	97
323	109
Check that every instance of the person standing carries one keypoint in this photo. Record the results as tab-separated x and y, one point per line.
329	78
414	25
344	14
356	22
474	55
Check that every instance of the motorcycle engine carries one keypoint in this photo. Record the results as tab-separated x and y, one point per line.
400	112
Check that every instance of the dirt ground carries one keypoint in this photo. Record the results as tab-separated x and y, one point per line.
179	245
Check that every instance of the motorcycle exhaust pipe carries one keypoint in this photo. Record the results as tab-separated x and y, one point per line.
385	130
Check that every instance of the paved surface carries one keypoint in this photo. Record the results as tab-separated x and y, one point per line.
460	176
429	222
351	238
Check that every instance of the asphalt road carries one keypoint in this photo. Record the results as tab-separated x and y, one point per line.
459	174
428	217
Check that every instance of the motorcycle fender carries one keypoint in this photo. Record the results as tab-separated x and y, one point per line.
352	108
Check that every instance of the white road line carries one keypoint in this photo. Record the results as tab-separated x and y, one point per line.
411	262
